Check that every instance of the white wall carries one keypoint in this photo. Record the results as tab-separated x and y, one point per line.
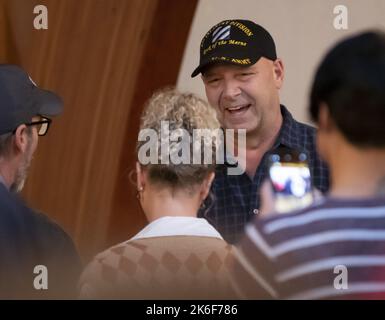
302	29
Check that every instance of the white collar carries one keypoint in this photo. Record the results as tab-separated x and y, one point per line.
178	226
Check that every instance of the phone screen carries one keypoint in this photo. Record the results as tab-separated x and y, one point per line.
290	177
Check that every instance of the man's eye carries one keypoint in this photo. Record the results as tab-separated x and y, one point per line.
213	80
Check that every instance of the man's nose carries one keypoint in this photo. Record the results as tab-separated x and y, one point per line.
231	90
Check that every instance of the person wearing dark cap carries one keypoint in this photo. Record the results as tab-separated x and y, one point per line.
333	249
37	258
242	76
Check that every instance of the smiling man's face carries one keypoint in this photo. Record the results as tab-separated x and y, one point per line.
245	97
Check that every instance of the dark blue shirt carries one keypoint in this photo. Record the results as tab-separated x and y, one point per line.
235	198
27	239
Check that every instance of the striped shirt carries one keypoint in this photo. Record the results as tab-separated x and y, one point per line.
332	250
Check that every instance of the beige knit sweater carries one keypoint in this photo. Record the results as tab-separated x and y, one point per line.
168	267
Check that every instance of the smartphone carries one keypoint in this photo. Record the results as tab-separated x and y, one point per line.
290	178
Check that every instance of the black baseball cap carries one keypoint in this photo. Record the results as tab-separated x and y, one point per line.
239	42
21	99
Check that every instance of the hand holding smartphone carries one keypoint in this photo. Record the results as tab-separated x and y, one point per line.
290	178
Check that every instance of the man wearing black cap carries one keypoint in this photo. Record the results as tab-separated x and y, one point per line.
242	77
335	248
37	258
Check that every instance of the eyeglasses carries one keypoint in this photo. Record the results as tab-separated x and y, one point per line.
42	125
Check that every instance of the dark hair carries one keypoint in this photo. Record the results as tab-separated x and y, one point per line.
351	82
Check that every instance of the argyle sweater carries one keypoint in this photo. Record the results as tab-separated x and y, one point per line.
167	267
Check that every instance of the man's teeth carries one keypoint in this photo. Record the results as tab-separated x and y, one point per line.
236	108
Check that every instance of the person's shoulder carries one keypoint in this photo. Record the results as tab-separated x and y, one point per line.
306	127
42	232
15	214
298	125
100	276
104	268
20	221
15	209
46	226
9	202
128	249
182	242
132	250
287	225
325	213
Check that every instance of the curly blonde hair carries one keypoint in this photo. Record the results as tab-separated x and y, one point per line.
182	111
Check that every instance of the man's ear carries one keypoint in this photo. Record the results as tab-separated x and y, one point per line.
21	139
279	72
203	78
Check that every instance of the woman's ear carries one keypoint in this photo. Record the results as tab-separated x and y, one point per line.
139	177
207	185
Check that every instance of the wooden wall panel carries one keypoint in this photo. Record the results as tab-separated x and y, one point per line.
160	67
3	32
104	57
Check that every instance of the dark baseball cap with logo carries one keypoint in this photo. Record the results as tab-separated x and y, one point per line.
239	42
21	99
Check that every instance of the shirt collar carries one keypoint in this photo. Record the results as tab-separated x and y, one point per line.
178	226
287	136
